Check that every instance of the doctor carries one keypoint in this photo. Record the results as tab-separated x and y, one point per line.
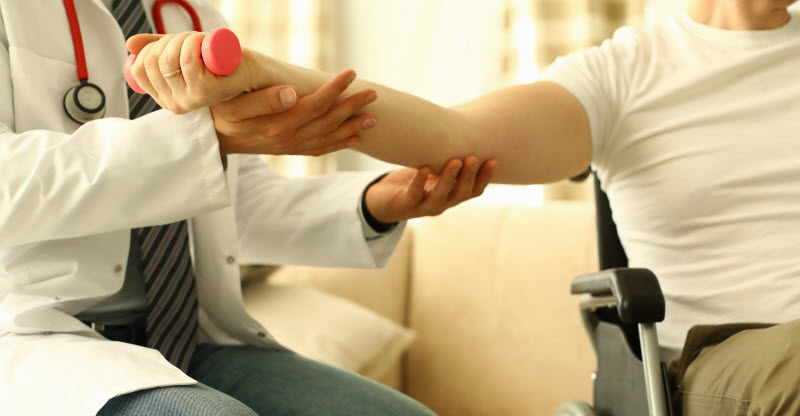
77	201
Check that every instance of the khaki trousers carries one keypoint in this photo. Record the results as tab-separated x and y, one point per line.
742	369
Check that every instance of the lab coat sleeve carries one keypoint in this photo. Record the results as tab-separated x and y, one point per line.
310	221
110	174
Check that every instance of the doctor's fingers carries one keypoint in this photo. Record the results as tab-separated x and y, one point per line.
471	181
465	181
263	102
257	130
329	148
320	101
436	199
346	133
315	114
484	177
254	105
154	74
415	191
338	114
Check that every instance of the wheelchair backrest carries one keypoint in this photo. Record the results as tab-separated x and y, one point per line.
609	248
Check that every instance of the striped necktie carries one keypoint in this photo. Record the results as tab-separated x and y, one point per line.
166	265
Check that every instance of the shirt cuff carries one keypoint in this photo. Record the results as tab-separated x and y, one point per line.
371	226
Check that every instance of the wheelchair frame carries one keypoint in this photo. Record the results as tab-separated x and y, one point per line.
619	311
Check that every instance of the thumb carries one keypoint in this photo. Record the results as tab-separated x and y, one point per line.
259	103
137	42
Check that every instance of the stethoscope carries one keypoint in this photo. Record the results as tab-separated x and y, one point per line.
86	101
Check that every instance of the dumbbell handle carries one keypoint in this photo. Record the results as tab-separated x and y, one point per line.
221	54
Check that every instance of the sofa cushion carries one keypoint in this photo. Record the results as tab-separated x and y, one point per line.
499	332
327	328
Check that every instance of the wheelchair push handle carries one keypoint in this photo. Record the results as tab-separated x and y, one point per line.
636	292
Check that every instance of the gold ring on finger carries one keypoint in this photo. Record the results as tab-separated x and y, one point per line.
172	74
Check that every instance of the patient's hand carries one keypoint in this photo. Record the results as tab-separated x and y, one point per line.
409	193
195	86
271	120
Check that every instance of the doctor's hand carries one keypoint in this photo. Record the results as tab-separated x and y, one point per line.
274	121
409	193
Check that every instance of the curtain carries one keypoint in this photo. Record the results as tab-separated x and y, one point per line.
564	26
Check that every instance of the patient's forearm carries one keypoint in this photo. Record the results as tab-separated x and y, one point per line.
410	131
537	132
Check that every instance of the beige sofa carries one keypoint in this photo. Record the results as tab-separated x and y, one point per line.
486	291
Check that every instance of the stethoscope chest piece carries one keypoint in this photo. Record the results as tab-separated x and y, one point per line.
85	102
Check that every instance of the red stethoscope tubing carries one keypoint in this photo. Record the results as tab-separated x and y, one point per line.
186	6
77	39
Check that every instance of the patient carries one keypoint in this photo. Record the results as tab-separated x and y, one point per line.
693	127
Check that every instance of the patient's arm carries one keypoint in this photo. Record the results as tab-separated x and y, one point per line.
537	132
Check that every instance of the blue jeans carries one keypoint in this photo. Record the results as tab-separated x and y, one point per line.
247	380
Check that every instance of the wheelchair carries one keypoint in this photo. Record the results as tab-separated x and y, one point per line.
619	310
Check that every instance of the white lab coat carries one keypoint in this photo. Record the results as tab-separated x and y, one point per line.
69	196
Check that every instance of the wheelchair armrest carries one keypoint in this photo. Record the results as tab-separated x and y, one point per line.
636	291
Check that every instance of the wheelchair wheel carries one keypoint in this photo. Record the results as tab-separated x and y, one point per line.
575	408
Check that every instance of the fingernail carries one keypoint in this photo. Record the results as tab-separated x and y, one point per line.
369	123
370	98
288	96
455	171
351	77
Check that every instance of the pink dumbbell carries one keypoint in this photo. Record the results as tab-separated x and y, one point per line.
221	53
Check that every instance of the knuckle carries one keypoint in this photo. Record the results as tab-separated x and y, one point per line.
164	59
151	62
278	132
138	71
185	60
165	62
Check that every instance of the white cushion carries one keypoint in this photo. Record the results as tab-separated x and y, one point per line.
324	327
